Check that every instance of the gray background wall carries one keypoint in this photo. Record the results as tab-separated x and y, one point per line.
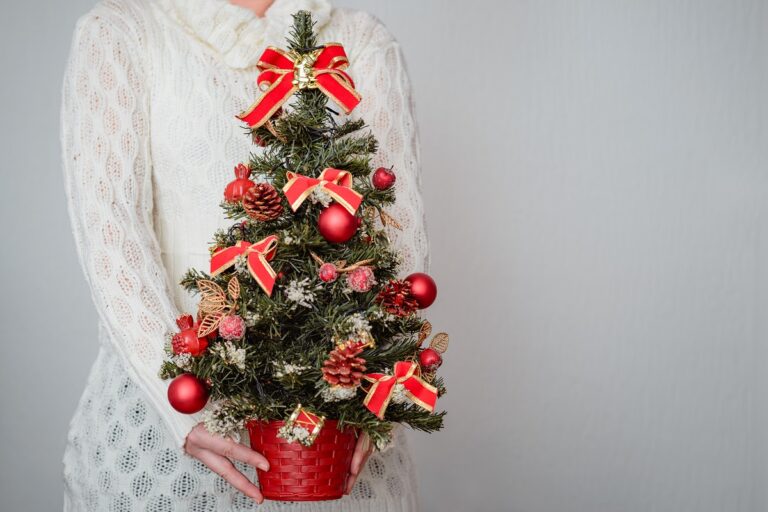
599	224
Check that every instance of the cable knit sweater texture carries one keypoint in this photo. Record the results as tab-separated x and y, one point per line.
149	141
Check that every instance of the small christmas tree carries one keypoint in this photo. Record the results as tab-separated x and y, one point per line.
302	315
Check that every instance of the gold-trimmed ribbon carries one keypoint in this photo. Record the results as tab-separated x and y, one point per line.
283	73
417	390
335	182
257	255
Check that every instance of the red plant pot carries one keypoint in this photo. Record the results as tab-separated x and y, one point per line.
303	473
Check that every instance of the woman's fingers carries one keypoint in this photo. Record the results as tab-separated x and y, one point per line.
224	468
230	449
363	450
361	453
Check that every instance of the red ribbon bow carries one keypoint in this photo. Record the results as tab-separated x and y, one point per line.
284	73
337	183
418	391
257	257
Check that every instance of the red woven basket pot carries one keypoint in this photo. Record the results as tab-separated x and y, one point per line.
303	473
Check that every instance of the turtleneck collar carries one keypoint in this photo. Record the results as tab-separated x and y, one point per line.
236	33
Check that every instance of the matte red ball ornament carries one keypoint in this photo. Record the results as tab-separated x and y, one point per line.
237	188
187	394
430	360
336	224
423	289
383	178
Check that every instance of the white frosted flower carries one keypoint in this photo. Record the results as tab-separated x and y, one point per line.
359	324
286	238
231	354
299	292
338	393
183	361
251	319
241	265
319	195
297	434
398	395
283	369
384	316
219	421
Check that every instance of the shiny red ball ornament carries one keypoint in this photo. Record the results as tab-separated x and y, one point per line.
383	178
336	224
423	289
430	360
187	394
237	188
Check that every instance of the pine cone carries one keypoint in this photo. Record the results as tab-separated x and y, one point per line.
396	298
262	202
343	367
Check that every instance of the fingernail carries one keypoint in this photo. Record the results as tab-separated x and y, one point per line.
263	466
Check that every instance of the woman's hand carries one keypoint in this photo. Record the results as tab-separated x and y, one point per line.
363	450
215	451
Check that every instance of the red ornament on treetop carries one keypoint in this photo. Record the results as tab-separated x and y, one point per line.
336	224
187	394
240	185
383	178
423	289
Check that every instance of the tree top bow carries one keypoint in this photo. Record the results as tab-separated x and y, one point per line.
283	73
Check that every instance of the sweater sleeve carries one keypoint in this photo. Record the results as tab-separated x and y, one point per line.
107	174
380	74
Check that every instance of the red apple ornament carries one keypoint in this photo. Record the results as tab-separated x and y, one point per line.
336	224
430	360
383	178
240	185
186	341
423	289
187	394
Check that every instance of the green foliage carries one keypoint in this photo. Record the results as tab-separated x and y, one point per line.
280	331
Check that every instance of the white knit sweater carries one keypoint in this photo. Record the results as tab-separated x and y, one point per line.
149	142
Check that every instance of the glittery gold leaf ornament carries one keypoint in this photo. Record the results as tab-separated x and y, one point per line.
426	330
215	304
440	342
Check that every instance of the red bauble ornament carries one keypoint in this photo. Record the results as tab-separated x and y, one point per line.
187	394
336	224
430	360
423	289
328	272
237	188
186	341
383	178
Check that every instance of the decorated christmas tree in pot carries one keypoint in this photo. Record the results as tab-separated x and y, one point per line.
304	333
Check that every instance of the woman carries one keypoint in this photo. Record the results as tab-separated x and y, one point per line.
148	131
